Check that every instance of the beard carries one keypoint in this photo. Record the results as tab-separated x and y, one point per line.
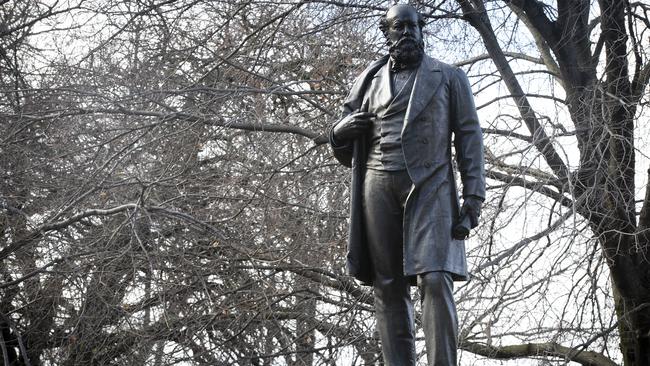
407	52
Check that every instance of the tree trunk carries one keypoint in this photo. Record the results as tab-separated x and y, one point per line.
634	327
305	333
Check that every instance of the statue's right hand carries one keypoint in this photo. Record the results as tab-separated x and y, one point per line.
353	125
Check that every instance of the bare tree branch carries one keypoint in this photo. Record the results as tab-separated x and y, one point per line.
478	19
586	358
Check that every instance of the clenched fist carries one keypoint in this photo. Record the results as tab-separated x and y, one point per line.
468	218
353	125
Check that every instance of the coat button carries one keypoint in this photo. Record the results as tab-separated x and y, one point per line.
427	164
424	140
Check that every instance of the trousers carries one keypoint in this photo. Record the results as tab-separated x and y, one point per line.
384	198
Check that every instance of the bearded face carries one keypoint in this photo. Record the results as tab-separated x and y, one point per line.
403	31
407	50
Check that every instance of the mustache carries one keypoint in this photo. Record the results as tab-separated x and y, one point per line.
406	44
403	40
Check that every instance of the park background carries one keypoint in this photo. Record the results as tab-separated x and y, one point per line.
168	196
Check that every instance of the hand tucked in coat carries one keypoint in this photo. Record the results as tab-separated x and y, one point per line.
352	126
468	218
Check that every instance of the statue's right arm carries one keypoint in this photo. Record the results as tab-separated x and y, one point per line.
346	130
342	149
353	122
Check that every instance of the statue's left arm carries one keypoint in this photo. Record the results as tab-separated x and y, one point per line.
468	142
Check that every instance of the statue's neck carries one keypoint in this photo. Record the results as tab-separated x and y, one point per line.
398	65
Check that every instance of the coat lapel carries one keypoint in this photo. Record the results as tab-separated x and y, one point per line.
386	94
355	97
427	81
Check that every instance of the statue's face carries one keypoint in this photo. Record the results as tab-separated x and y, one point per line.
404	35
403	25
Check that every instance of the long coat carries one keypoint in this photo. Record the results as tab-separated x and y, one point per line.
441	108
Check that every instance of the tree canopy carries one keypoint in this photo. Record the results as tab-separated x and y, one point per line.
168	196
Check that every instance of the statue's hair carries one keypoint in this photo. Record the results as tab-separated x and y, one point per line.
383	22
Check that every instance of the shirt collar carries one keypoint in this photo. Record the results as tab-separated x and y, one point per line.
397	67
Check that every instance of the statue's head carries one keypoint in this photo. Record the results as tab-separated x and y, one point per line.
402	26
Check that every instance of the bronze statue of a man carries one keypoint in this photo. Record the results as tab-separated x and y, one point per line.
406	227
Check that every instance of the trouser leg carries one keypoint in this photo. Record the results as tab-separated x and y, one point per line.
439	318
383	206
395	323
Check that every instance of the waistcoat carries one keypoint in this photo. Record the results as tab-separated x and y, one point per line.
389	102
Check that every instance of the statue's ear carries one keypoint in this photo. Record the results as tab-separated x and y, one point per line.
383	25
421	21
